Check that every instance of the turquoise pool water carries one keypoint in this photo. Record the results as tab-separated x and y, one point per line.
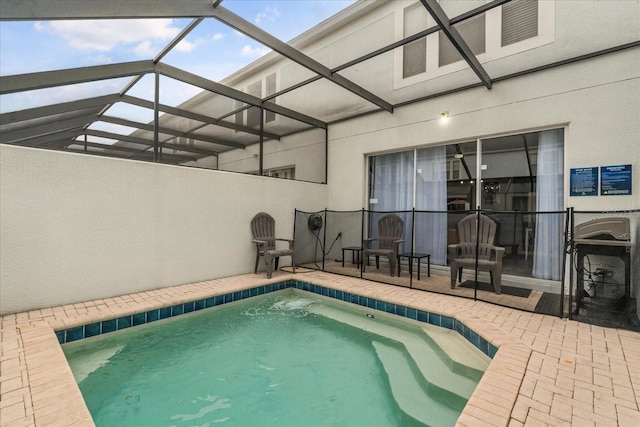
283	359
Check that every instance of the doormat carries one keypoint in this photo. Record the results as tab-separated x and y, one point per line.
548	304
507	290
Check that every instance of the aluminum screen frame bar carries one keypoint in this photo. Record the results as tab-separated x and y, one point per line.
435	10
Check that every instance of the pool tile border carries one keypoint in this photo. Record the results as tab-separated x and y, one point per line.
111	325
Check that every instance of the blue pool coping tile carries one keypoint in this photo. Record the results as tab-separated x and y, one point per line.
128	321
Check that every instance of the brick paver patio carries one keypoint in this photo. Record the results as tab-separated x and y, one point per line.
548	371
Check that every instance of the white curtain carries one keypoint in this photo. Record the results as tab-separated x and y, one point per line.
431	195
392	181
548	257
392	189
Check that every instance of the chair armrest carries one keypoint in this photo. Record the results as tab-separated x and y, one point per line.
259	242
499	251
396	245
366	242
290	241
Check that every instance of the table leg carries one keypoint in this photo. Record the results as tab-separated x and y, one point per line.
428	265
418	268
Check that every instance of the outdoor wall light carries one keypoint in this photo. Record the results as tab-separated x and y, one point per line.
459	156
444	115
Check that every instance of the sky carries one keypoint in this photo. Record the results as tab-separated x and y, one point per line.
212	50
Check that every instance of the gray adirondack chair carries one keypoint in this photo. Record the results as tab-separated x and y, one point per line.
390	232
263	227
463	254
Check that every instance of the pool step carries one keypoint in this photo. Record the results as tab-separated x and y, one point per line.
429	360
82	367
464	356
412	399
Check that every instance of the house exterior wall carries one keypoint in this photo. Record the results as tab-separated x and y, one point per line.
306	151
596	101
74	227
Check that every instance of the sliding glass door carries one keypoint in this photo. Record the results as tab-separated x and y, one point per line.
517	180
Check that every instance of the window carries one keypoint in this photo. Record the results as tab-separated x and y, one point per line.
288	172
502	31
519	21
270	88
239	118
473	33
253	113
184	141
285	173
453	169
415	53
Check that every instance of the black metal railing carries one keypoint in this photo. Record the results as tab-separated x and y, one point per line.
540	272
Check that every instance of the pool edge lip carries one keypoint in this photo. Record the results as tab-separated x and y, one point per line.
448	321
46	361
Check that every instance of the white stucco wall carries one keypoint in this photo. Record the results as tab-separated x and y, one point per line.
75	228
598	101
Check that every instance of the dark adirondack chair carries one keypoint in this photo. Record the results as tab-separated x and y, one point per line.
263	227
463	254
390	232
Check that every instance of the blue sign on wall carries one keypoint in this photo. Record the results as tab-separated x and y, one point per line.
584	181
615	180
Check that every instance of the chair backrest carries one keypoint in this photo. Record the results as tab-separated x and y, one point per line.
390	229
263	227
467	233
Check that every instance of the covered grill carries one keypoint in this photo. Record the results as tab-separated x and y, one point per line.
604	236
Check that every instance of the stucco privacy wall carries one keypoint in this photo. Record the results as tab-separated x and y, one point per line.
597	101
75	228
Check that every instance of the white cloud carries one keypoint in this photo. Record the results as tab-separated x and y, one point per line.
100	59
270	13
218	36
104	35
248	50
144	49
186	46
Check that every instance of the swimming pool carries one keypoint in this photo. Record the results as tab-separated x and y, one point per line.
363	371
